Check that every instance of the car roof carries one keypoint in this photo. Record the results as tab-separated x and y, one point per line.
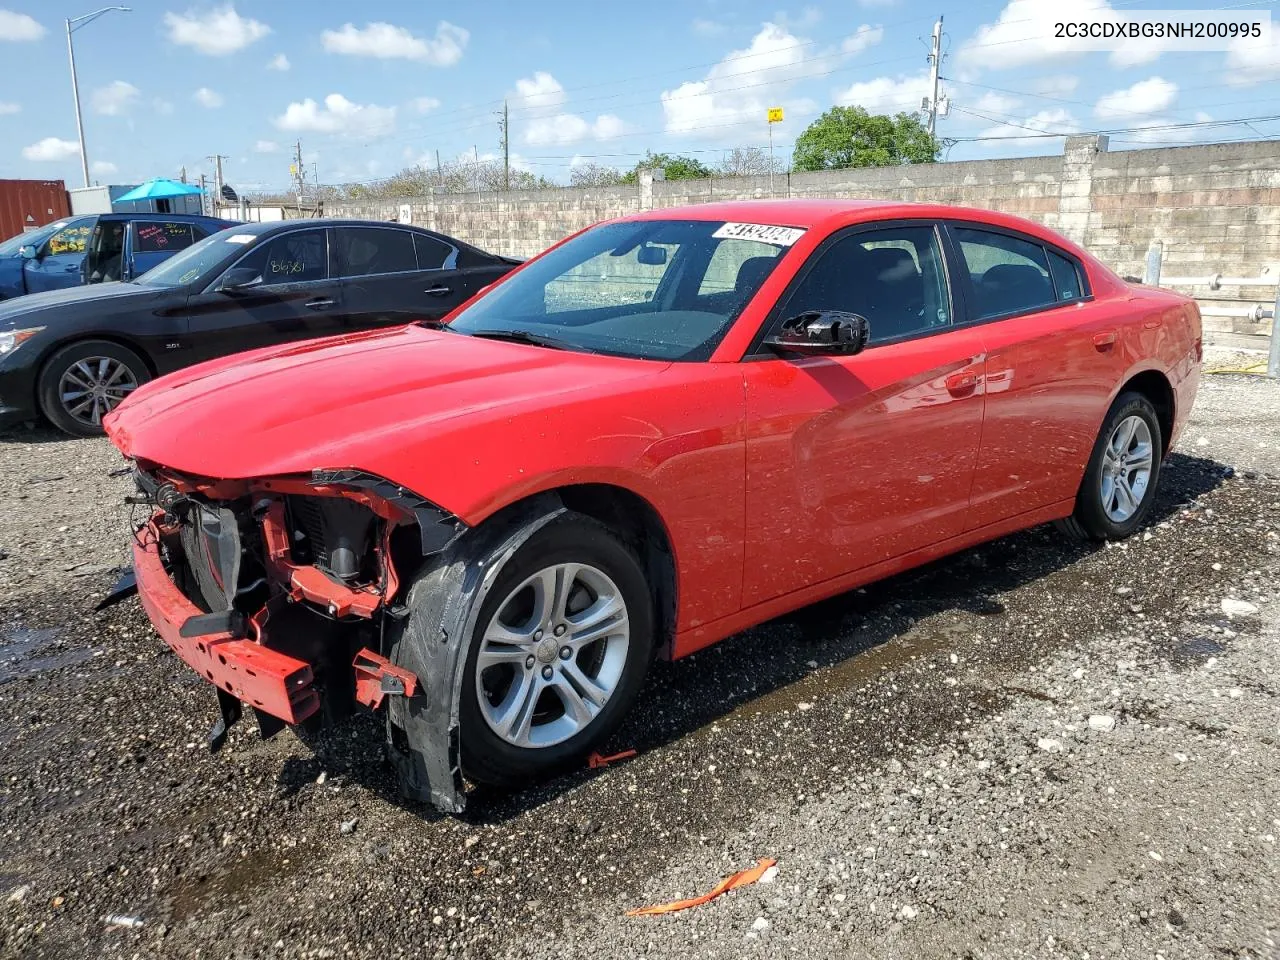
148	215
812	213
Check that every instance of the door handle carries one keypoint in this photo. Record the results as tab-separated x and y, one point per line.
439	290
962	384
74	268
318	304
1104	341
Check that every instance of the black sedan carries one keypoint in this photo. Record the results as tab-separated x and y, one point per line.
74	354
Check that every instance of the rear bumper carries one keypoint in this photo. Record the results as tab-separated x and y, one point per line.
261	677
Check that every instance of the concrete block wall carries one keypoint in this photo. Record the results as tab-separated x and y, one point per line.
1216	207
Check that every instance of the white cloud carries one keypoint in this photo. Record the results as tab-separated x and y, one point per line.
1055	85
1253	61
540	90
1023	33
887	94
279	62
1057	121
114	99
740	88
215	32
7	108
705	28
424	104
266	146
51	149
993	102
339	116
386	41
207	98
19	26
162	106
102	168
862	38
1144	98
540	100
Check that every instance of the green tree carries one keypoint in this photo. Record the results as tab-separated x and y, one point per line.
852	137
675	167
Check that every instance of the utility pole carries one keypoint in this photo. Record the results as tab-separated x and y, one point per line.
217	159
203	211
935	64
439	171
74	24
299	172
506	147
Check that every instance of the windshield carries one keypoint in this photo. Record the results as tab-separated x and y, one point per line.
11	246
653	289
200	261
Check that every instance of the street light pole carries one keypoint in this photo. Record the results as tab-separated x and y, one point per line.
74	24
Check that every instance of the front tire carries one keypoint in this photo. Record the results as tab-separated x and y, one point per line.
1119	485
562	645
84	381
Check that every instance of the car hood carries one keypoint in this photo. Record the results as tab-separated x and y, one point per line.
345	401
53	303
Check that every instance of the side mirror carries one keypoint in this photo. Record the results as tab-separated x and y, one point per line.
651	256
822	332
27	251
239	280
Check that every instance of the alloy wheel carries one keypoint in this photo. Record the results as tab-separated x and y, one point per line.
1126	468
552	655
93	387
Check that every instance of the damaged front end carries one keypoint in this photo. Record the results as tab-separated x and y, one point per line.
286	594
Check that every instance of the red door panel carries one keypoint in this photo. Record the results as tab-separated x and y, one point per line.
1049	378
854	460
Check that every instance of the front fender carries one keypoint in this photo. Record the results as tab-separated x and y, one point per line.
12	283
433	641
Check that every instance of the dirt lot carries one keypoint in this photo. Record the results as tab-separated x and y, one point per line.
1032	749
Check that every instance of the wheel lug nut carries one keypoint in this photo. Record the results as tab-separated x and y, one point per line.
528	663
537	634
560	630
546	673
565	653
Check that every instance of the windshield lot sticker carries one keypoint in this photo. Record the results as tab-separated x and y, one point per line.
240	238
780	236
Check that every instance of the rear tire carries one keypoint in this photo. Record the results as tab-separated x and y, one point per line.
1119	484
84	381
528	710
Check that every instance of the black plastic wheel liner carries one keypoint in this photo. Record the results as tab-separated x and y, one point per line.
433	641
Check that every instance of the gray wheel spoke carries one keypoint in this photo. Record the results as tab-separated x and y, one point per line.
577	704
80	407
606	616
516	717
492	655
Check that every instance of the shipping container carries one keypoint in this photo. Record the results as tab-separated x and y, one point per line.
27	204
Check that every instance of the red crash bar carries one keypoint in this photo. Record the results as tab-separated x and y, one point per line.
262	677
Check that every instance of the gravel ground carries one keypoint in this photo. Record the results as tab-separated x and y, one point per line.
1032	749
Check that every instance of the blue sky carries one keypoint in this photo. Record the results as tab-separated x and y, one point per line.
372	87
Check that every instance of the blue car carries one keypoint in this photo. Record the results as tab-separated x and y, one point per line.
96	249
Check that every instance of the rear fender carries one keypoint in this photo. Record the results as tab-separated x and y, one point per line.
432	642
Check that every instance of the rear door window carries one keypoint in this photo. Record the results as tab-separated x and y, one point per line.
433	254
369	251
1009	275
161	237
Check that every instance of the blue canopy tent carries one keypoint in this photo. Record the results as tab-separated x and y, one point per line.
160	195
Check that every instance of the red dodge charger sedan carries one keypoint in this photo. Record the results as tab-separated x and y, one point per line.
661	431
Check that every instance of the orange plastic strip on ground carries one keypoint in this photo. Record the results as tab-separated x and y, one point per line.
742	878
595	761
